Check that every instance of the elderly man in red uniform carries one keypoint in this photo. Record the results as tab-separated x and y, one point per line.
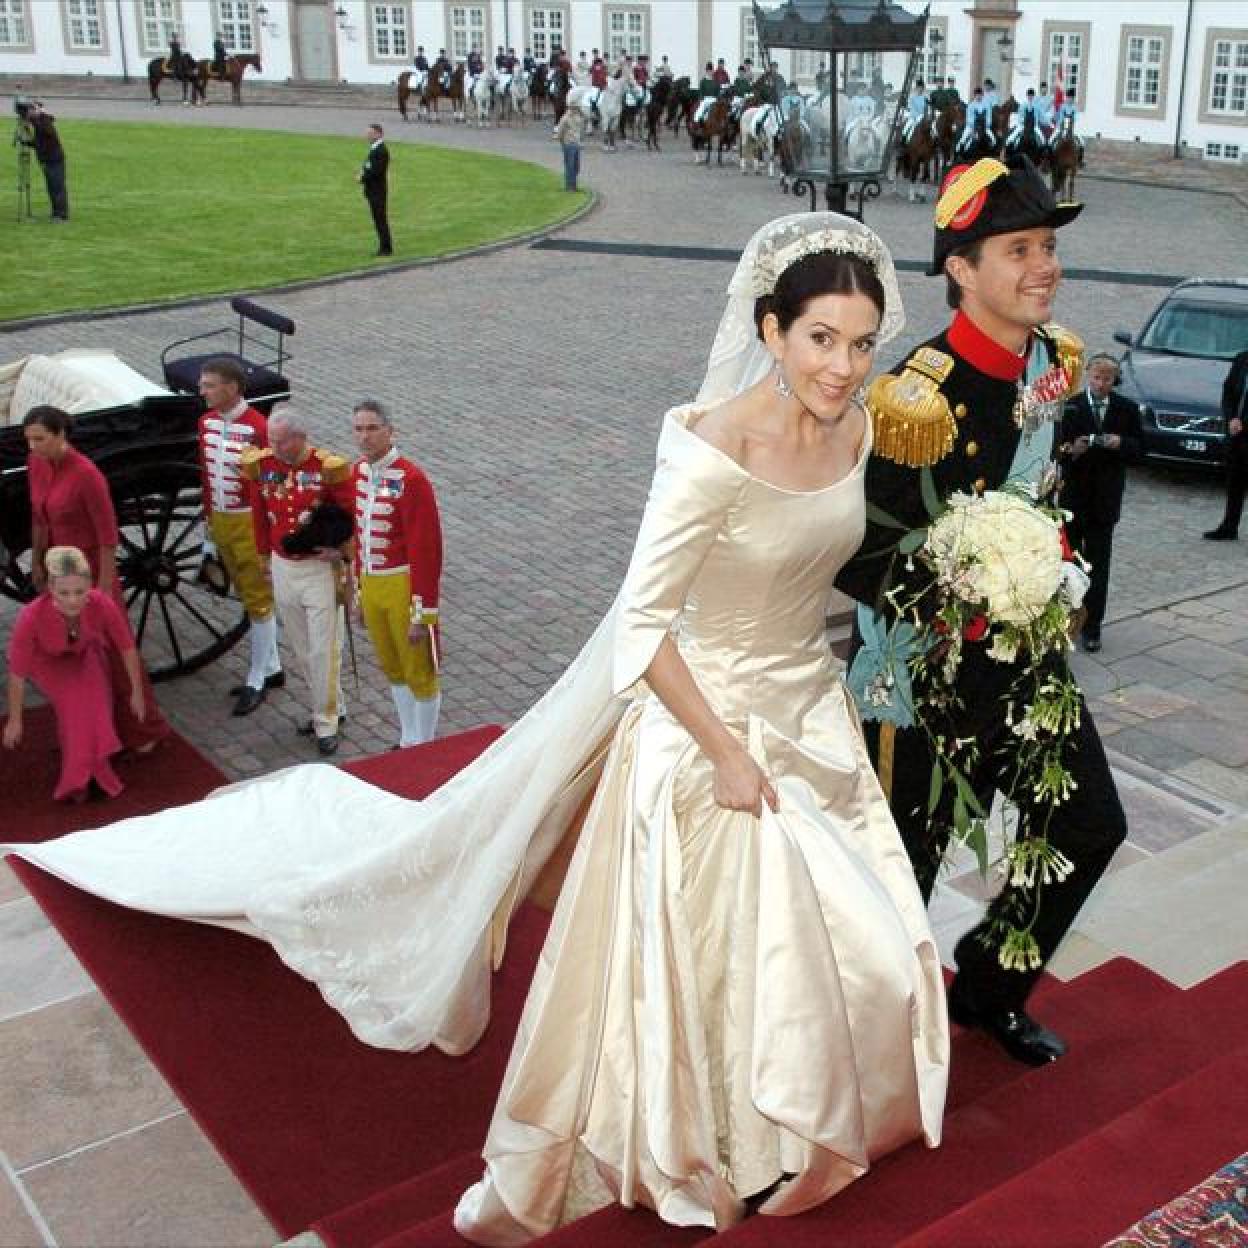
398	566
287	480
227	428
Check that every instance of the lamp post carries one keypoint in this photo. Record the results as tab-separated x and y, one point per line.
842	139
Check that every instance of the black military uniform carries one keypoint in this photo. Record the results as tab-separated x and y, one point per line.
951	406
1234	407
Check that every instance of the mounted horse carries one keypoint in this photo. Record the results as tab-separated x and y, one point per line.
981	142
916	155
444	86
713	124
1029	142
760	138
1064	160
684	99
411	82
482	92
660	96
539	91
793	148
516	96
603	107
558	87
235	67
1002	121
184	72
949	123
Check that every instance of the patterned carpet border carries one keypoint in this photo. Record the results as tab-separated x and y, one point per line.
1214	1214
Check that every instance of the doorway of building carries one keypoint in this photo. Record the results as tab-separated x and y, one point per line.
314	41
991	63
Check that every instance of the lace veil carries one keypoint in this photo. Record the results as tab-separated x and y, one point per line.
738	357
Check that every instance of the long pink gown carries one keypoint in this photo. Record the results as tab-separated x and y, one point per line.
75	676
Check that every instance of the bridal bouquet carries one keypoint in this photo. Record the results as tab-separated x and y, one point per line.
1002	576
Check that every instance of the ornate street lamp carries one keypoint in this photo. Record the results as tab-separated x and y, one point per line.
842	132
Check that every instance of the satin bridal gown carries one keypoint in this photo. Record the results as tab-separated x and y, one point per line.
724	1004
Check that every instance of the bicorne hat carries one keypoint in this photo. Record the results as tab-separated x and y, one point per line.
986	198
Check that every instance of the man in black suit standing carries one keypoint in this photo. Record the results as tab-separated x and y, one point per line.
1235	413
373	178
1100	436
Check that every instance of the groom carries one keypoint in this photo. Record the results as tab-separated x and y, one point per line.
957	406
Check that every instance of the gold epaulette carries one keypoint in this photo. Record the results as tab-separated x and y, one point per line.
334	469
910	415
1070	354
250	461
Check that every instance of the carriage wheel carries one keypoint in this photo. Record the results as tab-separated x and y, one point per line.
180	624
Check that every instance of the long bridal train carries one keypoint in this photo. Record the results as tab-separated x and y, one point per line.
724	1005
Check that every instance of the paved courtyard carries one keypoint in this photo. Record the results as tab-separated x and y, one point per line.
530	382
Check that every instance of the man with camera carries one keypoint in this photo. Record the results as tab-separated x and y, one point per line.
1100	436
48	151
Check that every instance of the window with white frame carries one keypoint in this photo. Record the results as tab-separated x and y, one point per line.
1228	83
1064	60
1141	80
235	21
932	66
751	50
85	24
626	32
547	31
158	19
467	29
863	65
388	24
13	30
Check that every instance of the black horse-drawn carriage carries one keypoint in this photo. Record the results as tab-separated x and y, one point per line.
145	444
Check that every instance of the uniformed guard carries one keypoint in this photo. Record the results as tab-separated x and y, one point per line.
978	112
974	407
227	428
288	480
398	569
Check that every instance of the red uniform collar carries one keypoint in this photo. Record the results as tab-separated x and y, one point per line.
984	353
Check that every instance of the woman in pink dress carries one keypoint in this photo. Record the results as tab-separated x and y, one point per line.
71	506
62	642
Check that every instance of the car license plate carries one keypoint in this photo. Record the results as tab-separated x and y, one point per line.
1199	445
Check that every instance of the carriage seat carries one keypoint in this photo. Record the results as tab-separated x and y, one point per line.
78	380
260	384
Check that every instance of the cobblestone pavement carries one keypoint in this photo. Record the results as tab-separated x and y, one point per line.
531	382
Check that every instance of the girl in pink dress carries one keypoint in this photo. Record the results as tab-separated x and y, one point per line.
62	642
71	506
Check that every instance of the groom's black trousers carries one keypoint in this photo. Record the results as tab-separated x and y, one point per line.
1088	827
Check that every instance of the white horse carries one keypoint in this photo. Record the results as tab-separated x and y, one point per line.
517	95
760	129
482	93
610	102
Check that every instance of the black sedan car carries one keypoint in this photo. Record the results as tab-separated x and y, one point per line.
1176	365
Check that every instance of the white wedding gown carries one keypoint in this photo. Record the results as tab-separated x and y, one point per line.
723	1002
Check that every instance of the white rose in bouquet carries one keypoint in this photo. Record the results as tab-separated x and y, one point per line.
998	552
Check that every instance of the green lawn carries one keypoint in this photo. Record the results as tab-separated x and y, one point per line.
163	212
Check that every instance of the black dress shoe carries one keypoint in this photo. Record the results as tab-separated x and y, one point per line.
1091	644
1015	1031
327	745
248	700
276	681
1221	535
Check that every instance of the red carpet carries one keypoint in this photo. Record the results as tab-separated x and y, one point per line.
373	1149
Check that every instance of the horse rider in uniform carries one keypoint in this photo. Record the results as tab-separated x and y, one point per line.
1030	107
708	93
916	109
529	62
219	55
742	86
978	108
287	480
991	98
227	428
443	69
663	69
1068	112
1045	111
771	84
398	568
474	67
641	72
860	114
174	62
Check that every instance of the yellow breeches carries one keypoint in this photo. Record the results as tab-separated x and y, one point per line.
236	544
385	602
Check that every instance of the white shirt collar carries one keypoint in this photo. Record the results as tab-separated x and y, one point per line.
373	471
236	411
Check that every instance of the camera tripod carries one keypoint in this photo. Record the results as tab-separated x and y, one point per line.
23	137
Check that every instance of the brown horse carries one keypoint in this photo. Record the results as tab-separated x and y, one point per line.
235	67
557	87
1001	121
160	69
949	123
915	157
405	92
435	90
716	126
1064	161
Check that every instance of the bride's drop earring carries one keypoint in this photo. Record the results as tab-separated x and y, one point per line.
783	389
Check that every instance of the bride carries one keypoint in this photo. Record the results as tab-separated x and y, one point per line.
740	998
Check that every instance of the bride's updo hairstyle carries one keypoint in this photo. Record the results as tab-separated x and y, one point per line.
809	277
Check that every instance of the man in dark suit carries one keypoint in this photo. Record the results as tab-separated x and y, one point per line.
1235	413
1100	436
373	178
51	157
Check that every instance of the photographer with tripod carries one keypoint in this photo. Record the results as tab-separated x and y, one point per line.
48	151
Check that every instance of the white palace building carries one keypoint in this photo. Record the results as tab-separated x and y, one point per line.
1169	72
